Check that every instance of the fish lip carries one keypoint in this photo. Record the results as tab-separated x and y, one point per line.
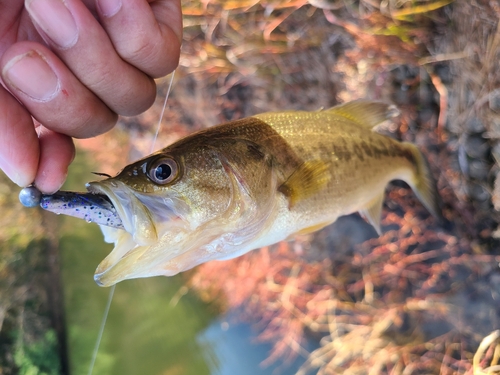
97	279
102	188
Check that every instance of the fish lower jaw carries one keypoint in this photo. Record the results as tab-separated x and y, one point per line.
109	274
97	279
120	272
130	260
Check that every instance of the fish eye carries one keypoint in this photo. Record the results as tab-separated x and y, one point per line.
163	171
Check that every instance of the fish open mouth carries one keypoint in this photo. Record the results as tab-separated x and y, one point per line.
124	221
133	221
149	222
135	216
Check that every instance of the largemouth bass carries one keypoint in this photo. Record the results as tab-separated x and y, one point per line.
245	184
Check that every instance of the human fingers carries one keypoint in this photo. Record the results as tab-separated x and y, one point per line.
147	36
19	149
51	93
77	38
56	154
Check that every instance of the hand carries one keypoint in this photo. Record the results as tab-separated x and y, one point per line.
75	65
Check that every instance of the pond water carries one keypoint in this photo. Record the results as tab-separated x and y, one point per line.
154	326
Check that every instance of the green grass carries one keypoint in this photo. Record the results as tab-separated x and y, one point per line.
39	357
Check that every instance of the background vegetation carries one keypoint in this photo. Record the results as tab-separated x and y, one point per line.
417	300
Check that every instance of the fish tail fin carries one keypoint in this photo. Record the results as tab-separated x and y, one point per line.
423	183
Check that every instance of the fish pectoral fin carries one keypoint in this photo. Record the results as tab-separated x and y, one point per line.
373	212
309	178
423	183
366	113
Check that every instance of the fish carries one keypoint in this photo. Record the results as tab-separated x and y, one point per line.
245	184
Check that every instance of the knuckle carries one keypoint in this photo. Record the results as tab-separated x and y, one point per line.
154	56
139	48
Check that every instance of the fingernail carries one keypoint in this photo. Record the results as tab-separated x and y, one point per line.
55	20
48	181
14	174
109	8
30	74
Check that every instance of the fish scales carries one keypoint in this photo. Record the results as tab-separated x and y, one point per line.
235	187
357	157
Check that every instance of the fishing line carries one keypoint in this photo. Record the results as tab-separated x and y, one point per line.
101	329
112	289
162	112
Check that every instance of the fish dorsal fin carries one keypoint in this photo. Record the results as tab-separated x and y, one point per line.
366	113
309	178
373	212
